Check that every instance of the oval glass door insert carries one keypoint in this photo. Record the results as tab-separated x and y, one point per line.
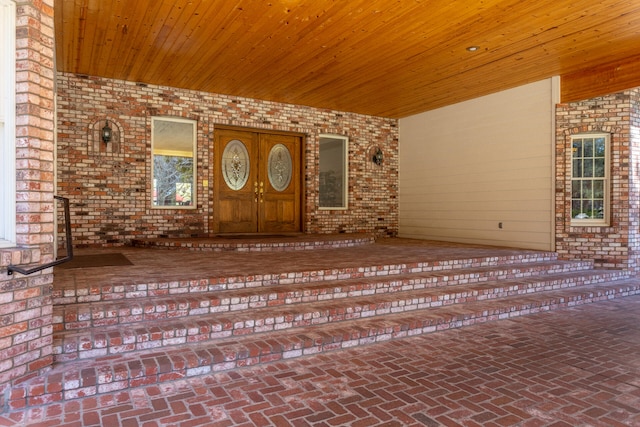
280	167
235	164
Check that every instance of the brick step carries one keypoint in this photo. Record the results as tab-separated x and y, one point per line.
258	243
128	311
69	294
94	342
118	372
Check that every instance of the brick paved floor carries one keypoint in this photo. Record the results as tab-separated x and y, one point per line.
571	367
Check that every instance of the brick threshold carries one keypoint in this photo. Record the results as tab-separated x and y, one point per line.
258	242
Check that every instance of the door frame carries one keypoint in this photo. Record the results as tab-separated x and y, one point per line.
211	175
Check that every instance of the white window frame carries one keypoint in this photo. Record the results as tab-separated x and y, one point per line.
194	154
588	221
7	123
344	163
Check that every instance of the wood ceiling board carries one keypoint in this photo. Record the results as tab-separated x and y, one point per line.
601	80
391	58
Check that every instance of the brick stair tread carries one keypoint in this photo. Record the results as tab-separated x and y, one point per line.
70	293
112	312
125	338
285	242
115	372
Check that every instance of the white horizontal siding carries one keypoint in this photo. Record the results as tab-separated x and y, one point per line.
466	168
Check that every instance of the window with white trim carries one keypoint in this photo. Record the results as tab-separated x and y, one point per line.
590	179
333	159
173	166
7	123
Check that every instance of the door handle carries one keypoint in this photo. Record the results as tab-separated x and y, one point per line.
255	190
261	192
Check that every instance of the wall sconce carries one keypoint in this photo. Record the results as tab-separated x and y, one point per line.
106	133
377	157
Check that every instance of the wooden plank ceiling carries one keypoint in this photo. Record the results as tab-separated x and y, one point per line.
390	58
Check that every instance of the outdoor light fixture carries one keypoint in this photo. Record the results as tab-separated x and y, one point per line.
107	133
377	157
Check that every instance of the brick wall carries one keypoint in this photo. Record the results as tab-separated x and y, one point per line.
619	115
25	302
109	185
634	182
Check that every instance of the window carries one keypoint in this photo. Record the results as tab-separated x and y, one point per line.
7	123
333	156
173	148
590	179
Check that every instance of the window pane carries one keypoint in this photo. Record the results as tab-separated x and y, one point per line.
575	209
577	168
577	148
173	151
590	169
587	168
575	189
333	172
598	189
587	190
173	180
600	147
598	209
588	148
599	168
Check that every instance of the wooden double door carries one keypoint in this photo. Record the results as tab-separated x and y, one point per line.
257	182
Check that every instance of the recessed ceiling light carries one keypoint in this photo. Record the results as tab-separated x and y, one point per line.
473	48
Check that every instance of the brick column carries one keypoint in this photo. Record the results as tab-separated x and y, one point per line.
25	302
634	182
615	246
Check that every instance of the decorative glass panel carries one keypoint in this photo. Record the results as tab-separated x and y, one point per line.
173	150
280	167
235	164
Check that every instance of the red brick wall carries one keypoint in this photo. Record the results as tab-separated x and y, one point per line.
109	186
613	246
25	302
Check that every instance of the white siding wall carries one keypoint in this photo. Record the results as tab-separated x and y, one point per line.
466	168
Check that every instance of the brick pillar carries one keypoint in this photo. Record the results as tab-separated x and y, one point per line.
617	245
25	301
634	181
